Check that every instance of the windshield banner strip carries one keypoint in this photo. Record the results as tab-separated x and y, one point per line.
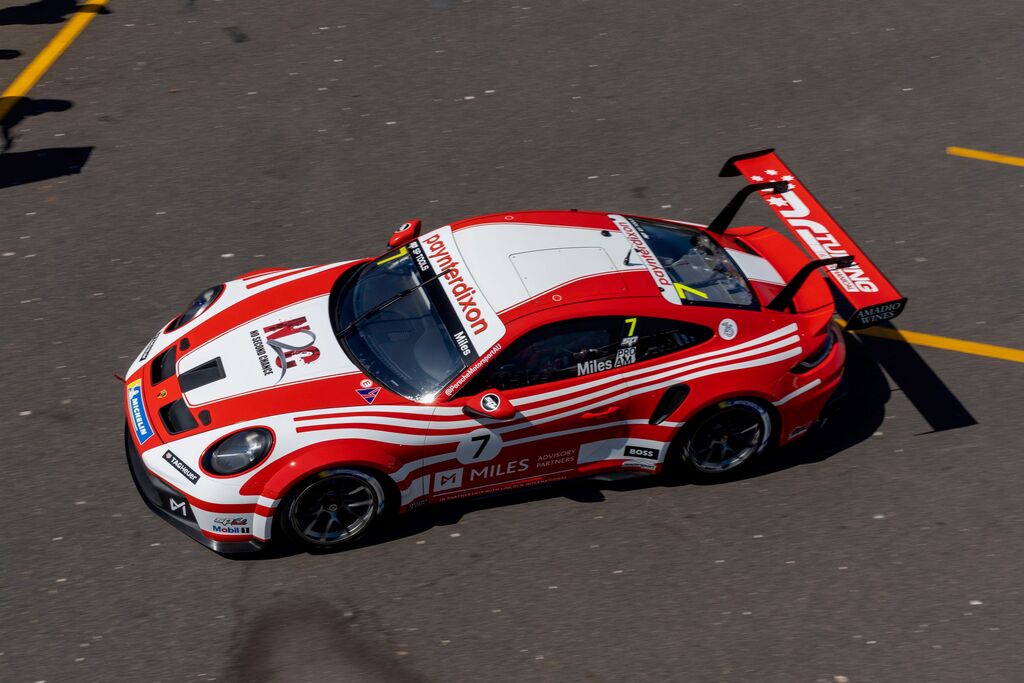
479	327
662	279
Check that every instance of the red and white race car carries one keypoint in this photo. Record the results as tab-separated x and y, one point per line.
493	353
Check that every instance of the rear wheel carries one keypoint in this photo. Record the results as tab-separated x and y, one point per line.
724	438
332	509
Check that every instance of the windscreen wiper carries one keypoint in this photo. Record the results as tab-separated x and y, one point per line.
387	302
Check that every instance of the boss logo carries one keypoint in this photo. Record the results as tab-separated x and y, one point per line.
641	452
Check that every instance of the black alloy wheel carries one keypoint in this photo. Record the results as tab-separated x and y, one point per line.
333	508
726	437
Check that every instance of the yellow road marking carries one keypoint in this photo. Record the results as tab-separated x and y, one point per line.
937	342
985	156
45	59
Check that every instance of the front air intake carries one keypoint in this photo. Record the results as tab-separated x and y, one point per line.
163	365
177	417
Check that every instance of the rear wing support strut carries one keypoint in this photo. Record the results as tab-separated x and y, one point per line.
729	211
784	298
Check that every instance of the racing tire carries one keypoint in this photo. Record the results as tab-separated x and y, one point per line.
724	438
331	510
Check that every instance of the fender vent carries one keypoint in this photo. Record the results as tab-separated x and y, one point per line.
177	417
201	375
670	401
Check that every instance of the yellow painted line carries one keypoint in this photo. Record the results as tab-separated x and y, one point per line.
947	343
45	59
985	156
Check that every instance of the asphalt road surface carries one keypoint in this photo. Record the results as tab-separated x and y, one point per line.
179	143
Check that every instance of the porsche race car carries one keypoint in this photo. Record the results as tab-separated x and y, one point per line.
306	405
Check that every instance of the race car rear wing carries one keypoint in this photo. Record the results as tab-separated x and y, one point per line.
872	296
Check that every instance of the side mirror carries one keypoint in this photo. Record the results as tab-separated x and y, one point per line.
490	403
405	233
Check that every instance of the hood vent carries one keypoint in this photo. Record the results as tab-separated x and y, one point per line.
201	375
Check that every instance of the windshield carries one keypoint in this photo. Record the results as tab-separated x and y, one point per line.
703	273
406	345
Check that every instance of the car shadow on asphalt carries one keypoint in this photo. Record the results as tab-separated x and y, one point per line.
22	167
921	385
22	108
18	168
857	420
44	12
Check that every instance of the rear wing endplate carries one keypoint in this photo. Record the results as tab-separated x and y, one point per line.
862	284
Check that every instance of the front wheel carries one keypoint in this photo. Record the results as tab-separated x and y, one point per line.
727	436
332	509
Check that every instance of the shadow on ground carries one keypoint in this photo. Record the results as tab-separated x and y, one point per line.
925	390
22	108
44	12
18	168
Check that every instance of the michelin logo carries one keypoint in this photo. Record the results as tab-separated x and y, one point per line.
140	421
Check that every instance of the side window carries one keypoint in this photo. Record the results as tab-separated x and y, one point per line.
659	337
585	346
554	352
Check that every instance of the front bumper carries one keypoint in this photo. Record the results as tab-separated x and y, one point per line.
173	507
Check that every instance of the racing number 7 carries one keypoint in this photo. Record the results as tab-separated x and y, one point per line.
483	439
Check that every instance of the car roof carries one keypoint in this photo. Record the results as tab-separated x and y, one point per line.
526	262
519	270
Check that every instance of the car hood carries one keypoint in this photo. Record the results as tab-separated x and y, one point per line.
264	347
293	344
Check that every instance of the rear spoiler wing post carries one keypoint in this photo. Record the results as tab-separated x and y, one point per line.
852	273
721	222
784	298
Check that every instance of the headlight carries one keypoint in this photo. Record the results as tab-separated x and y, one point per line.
238	452
201	303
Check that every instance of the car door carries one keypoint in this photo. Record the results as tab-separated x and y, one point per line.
659	381
565	380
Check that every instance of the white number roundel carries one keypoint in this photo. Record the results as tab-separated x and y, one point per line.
480	445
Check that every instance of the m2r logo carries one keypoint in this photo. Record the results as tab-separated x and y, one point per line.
289	353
